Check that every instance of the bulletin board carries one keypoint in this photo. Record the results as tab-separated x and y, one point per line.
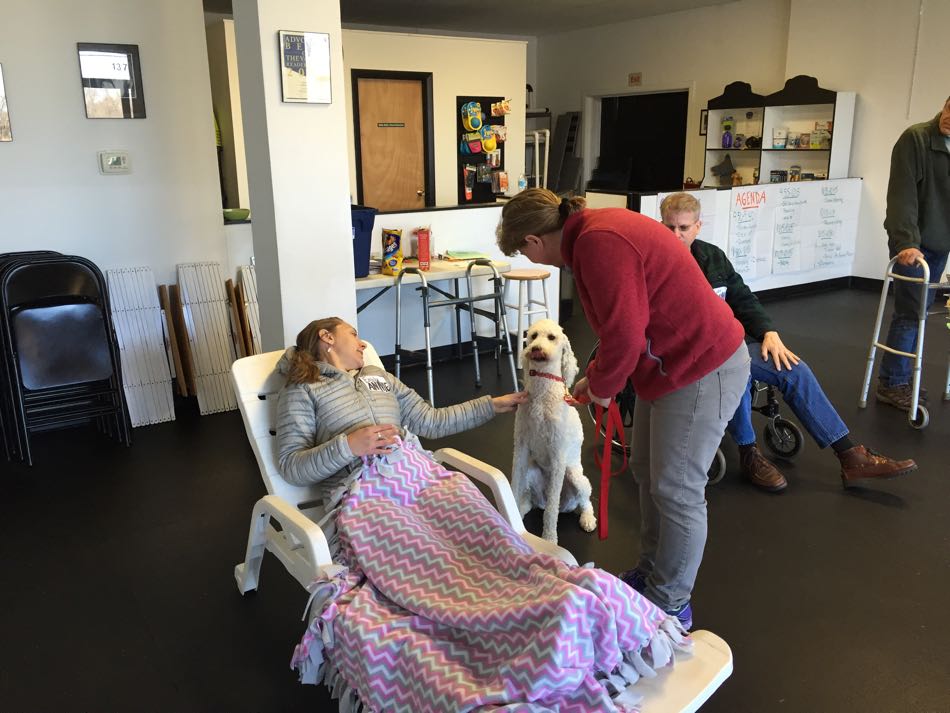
780	234
778	229
481	192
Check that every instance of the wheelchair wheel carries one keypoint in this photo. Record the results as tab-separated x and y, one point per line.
717	470
626	400
783	437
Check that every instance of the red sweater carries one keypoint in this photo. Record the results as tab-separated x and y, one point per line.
660	325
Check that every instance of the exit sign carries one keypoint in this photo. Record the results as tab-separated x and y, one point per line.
635	79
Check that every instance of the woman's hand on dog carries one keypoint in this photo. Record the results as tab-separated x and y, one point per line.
509	402
583	394
377	439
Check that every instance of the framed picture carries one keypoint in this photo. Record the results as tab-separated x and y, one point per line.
6	132
111	81
703	121
304	67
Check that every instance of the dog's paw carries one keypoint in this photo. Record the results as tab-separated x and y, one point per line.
583	487
588	521
550	535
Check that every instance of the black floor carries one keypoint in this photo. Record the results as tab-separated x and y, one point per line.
117	564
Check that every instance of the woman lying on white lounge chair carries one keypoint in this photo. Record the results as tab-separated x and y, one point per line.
439	604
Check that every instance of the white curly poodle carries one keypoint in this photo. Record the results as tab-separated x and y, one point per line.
547	472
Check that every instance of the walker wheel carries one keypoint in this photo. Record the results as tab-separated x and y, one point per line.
717	470
922	419
783	438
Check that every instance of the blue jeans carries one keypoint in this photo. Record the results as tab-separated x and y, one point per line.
902	335
801	392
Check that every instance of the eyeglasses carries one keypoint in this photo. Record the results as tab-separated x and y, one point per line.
680	228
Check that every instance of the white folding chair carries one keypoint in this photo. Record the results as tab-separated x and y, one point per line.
301	545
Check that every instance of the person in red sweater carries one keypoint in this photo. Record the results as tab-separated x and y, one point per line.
688	372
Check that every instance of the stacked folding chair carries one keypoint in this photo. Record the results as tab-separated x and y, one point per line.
60	360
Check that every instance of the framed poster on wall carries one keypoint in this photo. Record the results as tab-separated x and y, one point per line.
304	67
6	132
111	81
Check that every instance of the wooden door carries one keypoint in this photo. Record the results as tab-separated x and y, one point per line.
391	143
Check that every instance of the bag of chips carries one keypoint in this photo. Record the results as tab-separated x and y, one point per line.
392	251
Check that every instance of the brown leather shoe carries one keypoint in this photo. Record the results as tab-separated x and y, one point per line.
860	463
758	471
900	396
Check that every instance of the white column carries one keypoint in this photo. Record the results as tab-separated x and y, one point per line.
298	174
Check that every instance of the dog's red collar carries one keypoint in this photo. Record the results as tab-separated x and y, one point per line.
546	375
568	399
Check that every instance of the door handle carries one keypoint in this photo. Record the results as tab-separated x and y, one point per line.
420	193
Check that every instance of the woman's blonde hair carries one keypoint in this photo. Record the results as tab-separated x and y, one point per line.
535	211
679	203
303	364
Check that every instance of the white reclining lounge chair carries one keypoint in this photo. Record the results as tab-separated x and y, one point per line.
301	545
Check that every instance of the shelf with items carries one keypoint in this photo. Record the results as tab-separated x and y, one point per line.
733	118
803	130
745	163
807	131
743	123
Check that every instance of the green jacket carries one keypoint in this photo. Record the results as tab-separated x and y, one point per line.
918	192
722	275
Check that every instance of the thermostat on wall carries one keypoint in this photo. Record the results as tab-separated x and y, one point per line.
111	162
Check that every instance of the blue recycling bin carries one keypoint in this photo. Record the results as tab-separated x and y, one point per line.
363	219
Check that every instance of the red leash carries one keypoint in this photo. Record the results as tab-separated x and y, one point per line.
612	424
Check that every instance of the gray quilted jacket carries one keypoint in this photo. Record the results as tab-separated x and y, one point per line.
313	420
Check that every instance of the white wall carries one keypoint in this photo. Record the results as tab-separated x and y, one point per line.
698	50
460	66
168	210
865	46
868	46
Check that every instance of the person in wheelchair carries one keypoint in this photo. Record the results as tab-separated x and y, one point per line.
427	575
775	364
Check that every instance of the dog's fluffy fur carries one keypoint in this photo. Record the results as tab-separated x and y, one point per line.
547	471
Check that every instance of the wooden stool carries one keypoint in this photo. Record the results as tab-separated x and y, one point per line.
525	278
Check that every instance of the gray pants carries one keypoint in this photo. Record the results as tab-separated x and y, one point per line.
674	441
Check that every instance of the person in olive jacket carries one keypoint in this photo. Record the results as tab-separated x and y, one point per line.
918	228
772	363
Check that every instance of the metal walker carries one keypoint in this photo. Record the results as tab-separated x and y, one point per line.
501	341
917	416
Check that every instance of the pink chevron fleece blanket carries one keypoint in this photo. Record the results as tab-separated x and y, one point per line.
440	606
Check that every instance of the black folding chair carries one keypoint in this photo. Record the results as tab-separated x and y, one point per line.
7	420
61	355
